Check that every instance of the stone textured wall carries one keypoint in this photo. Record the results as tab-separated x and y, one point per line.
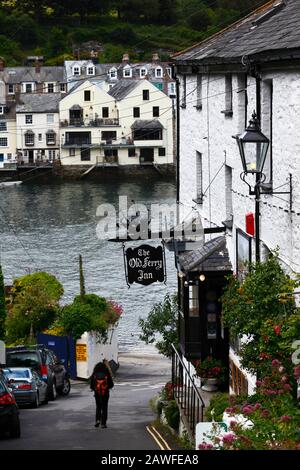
209	131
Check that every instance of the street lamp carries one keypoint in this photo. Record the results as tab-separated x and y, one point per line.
253	147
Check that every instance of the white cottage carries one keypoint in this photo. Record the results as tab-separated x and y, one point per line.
251	65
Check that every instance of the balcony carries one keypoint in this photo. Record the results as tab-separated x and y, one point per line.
99	122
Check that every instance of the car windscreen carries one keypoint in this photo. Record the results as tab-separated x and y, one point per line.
17	373
2	387
22	359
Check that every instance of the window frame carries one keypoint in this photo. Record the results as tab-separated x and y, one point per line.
27	120
4	139
146	95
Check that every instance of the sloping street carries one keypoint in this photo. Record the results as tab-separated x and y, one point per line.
68	423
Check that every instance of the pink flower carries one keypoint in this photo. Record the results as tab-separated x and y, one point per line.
275	362
287	387
265	413
285	418
229	438
297	372
298	447
205	446
233	424
257	406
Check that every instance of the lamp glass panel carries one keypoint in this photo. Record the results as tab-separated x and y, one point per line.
255	155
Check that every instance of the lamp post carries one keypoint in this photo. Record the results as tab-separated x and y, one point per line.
253	147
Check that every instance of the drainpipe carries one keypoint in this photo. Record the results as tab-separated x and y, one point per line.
177	143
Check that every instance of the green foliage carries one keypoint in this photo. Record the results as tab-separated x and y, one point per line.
172	414
121	25
216	407
2	306
161	325
86	313
34	305
262	308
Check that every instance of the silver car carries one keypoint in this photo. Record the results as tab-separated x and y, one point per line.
26	385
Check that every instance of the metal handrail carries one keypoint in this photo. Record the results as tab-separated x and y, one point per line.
186	393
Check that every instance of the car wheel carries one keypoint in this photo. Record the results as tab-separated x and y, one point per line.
36	402
52	391
65	389
15	430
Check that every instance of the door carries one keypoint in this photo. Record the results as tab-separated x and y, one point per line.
147	155
30	156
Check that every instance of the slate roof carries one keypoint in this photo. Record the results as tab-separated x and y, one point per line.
212	256
144	123
271	31
39	103
122	88
13	75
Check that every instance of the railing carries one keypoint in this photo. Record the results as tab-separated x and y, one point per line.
99	122
186	393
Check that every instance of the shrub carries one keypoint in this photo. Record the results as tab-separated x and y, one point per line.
172	414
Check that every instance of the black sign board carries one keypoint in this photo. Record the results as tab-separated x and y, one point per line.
145	264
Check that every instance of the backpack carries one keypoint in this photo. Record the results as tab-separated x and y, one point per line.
101	385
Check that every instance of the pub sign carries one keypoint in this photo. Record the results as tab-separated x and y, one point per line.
145	264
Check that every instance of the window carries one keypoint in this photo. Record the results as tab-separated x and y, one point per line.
146	95
1	109
11	89
147	134
127	72
169	72
228	192
3	142
3	126
113	73
199	92
63	87
158	72
50	88
28	87
143	72
228	95
136	112
243	254
87	95
155	111
1	157
162	152
172	89
50	138
183	98
91	70
28	118
199	178
72	152
105	112
50	118
9	156
131	152
29	138
76	70
108	136
40	137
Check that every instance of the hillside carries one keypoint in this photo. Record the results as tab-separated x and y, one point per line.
54	28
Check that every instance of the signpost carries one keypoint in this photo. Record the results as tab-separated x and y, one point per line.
145	264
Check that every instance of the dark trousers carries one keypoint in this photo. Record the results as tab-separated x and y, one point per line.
101	408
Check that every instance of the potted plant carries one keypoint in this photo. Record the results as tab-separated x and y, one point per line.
212	373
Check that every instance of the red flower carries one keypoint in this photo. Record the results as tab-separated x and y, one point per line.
277	329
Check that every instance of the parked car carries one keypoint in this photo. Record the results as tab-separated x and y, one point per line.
44	361
27	386
9	411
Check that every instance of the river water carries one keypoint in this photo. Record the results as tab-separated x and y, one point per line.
46	226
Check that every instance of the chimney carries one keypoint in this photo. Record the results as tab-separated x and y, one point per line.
94	57
37	65
155	57
2	64
125	59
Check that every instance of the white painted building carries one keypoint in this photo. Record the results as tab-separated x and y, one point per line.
132	124
251	65
37	122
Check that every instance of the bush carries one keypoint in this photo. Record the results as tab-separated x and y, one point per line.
172	414
217	405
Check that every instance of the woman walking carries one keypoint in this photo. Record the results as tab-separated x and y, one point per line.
101	382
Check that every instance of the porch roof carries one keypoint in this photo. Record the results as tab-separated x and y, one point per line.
212	256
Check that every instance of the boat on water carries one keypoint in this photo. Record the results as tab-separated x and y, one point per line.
9	183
